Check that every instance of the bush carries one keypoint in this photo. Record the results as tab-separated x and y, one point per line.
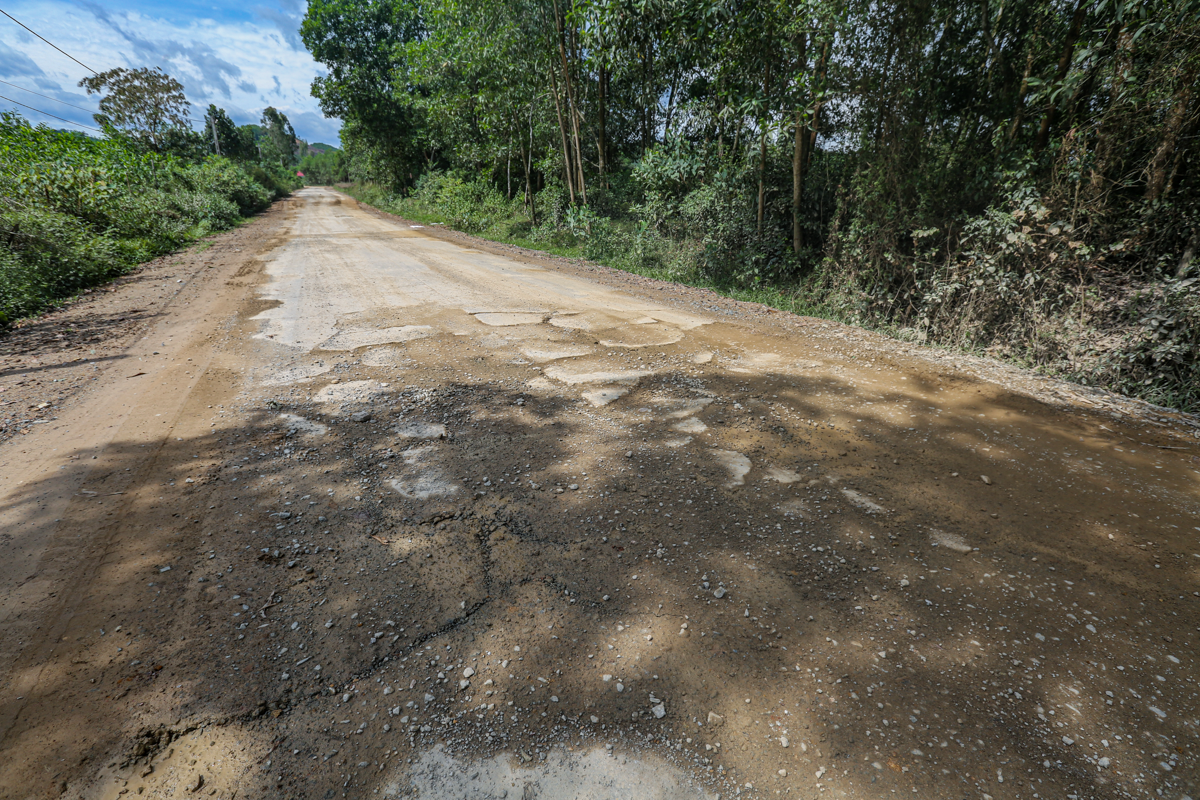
79	210
48	254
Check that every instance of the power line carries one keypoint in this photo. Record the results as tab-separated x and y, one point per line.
48	97
48	114
47	41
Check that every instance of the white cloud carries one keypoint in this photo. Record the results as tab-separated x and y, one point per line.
240	65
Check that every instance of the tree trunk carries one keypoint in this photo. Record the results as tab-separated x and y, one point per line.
720	133
572	111
799	157
1157	180
762	153
1106	136
1064	65
814	124
1189	253
602	123
562	130
528	157
1019	113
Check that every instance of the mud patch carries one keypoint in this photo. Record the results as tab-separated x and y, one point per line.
595	775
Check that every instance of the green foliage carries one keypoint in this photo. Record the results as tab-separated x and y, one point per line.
226	139
325	167
361	43
278	146
147	104
78	210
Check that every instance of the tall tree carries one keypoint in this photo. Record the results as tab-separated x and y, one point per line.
362	44
143	103
279	145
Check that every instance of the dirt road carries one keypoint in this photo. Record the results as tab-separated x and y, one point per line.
370	512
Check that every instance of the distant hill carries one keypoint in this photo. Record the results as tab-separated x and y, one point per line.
316	148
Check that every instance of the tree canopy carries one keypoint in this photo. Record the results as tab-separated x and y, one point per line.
145	103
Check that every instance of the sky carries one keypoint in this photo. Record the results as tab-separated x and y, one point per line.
242	56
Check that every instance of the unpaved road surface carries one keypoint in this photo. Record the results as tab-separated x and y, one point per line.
366	512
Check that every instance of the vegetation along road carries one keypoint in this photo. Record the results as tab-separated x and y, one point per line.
369	509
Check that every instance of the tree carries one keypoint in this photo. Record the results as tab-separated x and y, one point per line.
226	139
144	103
324	168
278	146
361	43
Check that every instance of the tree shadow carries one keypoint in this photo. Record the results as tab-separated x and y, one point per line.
887	620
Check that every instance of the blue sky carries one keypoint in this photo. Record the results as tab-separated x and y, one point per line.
243	56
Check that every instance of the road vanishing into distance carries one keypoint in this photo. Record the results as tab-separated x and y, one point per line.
373	510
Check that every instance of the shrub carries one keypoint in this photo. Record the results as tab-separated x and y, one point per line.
78	210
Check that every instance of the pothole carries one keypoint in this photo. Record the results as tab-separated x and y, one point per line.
419	429
304	426
861	501
387	357
690	425
553	353
631	338
950	541
352	391
782	475
421	479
